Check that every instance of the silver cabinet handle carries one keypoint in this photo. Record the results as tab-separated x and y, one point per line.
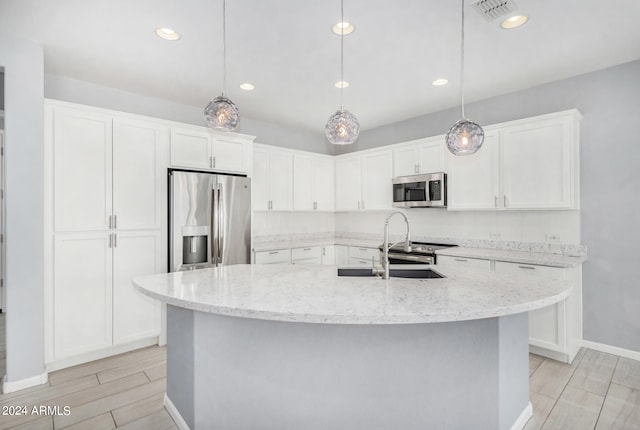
306	249
273	252
363	249
211	162
115	221
115	240
504	200
324	251
110	241
110	222
527	267
461	259
214	162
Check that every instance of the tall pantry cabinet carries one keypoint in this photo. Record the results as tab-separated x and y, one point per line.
105	200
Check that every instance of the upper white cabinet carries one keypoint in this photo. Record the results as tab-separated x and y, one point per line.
527	164
200	148
313	182
420	156
82	154
474	180
138	165
272	179
363	182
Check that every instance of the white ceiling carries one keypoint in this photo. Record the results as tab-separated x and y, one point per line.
287	50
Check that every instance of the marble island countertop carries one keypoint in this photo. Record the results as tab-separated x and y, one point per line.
315	294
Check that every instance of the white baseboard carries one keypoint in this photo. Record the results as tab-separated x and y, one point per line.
523	418
101	353
626	353
175	414
10	387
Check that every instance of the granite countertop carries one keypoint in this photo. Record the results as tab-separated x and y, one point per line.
315	294
523	257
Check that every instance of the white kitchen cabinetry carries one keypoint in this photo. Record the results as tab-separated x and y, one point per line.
313	182
200	148
329	254
554	331
462	263
341	255
363	256
272	179
306	255
106	217
363	182
420	156
526	164
279	256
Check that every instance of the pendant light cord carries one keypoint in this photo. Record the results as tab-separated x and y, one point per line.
341	54
462	62
224	45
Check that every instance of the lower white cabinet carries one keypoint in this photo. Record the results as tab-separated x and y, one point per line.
341	255
307	255
329	254
363	256
555	331
278	256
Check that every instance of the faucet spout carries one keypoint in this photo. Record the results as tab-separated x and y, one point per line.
385	247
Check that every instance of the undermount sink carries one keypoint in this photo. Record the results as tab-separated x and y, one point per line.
393	272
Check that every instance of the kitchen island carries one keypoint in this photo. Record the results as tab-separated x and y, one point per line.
297	347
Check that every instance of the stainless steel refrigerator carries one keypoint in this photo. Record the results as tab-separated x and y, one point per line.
209	220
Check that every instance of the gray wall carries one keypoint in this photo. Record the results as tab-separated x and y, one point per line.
75	91
23	63
610	184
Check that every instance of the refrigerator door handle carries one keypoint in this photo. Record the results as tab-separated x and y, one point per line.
213	234
221	222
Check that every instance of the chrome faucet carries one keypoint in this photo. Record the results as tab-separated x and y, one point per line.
383	271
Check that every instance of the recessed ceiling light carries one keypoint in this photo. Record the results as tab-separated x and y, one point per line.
343	28
247	86
167	33
440	82
514	22
341	84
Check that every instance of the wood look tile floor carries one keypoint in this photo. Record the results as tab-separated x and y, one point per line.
596	392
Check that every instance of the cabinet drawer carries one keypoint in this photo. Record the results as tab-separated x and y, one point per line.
281	256
312	260
463	262
302	253
364	253
354	261
543	272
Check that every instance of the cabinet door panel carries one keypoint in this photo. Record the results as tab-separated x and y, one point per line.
303	172
135	316
82	293
536	163
227	155
324	184
348	182
190	148
260	180
377	190
405	161
329	254
280	177
82	170
473	179
432	156
137	167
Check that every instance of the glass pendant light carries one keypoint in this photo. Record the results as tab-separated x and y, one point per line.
342	127
464	137
221	113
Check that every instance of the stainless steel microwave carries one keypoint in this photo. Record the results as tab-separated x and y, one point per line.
419	191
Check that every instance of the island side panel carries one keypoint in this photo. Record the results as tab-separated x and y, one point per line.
279	375
180	361
513	385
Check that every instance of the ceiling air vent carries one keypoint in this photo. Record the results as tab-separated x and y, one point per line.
494	9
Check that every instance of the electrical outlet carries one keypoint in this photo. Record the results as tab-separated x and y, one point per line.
552	237
495	235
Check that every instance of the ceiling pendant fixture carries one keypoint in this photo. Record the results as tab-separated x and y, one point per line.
464	137
342	127
221	113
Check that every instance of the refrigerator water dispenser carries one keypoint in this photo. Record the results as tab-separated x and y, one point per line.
194	244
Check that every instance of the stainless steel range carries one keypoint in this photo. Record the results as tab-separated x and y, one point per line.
420	253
